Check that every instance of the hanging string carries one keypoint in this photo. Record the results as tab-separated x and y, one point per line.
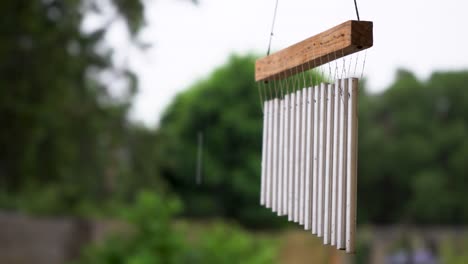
266	83
281	85
343	72
357	11
303	76
310	72
350	62
321	64
260	95
288	81
336	65
276	88
355	66
269	88
272	27
312	69
363	63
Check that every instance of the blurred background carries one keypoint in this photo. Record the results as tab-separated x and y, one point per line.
103	102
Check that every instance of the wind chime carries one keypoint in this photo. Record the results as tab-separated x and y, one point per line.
310	128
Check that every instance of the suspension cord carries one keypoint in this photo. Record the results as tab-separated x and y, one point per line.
272	27
357	11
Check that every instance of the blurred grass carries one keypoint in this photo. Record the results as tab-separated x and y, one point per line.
291	246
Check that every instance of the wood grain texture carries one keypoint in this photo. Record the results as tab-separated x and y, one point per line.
347	38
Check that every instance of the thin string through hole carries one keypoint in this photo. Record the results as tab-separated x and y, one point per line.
259	84
355	65
363	64
343	71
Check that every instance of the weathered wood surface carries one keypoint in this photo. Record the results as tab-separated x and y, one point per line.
345	39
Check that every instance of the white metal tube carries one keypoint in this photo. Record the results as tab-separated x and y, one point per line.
340	243
309	160
279	199
292	153
297	164
269	170
286	154
328	164
315	164
351	166
322	156
336	129
302	186
264	153
275	155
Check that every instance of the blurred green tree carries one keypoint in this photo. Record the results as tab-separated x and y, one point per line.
64	132
413	148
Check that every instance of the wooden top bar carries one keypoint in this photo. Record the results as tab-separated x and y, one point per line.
347	38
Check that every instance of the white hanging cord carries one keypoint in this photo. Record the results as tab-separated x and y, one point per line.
355	65
363	63
343	72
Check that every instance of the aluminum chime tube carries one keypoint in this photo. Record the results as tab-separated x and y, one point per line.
309	160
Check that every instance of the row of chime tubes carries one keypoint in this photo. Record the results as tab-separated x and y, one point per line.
309	160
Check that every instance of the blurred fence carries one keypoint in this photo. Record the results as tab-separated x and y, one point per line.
382	245
26	240
400	244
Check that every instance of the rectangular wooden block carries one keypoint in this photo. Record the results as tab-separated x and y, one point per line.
347	38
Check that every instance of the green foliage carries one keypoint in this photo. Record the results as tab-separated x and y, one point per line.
454	252
224	244
65	140
413	147
157	240
154	241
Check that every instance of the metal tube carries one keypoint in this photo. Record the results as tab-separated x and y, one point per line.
351	166
321	156
336	140
302	185
316	150
309	160
292	152
328	164
269	154
275	155
279	199
340	243
264	154
297	164
286	154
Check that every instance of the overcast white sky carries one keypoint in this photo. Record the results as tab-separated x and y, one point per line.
190	41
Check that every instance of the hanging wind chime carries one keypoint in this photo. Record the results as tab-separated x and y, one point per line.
310	132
